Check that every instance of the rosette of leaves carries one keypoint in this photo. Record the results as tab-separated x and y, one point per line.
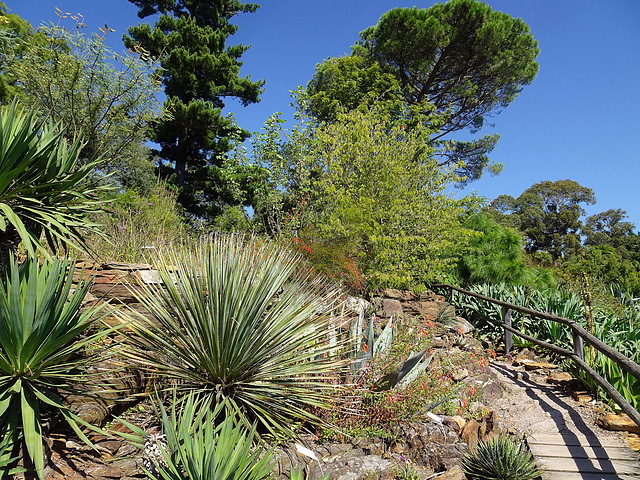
42	356
42	187
238	321
500	458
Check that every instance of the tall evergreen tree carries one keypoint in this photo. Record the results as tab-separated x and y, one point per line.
198	71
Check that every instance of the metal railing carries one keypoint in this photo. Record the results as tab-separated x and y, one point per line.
580	336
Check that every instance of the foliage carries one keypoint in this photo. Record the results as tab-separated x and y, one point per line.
549	215
198	72
604	264
240	323
281	199
381	188
15	34
496	255
198	448
461	57
42	188
331	257
137	224
500	458
41	357
74	79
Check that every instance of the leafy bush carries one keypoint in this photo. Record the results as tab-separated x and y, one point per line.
500	458
240	322
41	357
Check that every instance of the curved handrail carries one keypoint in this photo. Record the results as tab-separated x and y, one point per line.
624	362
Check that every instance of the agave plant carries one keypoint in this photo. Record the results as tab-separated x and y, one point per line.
500	458
42	188
239	322
41	357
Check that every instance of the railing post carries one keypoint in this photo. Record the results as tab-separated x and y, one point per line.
578	345
508	336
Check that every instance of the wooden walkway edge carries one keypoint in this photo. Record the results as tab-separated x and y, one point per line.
574	456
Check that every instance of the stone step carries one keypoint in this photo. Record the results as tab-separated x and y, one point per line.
588	476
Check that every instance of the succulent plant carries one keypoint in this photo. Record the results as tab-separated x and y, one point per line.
364	348
500	458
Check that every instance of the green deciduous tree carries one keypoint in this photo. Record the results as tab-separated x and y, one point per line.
381	188
15	32
549	215
73	78
198	72
461	57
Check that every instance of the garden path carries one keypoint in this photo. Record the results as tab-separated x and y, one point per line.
561	432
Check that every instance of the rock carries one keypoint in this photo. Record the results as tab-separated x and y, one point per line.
461	326
456	423
470	432
633	440
454	473
558	378
620	422
460	375
353	466
390	306
581	396
531	365
356	304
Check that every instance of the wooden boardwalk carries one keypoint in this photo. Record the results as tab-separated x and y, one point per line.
566	445
574	456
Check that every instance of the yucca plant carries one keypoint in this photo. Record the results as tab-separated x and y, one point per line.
41	355
240	322
42	187
499	458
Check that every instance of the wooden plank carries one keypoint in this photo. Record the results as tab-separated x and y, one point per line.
582	465
583	451
575	439
588	476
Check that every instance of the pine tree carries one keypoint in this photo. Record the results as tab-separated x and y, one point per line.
198	72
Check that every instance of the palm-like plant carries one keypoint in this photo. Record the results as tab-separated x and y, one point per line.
41	185
240	322
40	356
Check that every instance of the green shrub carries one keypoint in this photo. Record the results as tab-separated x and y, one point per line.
136	225
240	322
41	356
500	458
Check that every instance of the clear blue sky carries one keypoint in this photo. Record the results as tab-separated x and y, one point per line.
579	119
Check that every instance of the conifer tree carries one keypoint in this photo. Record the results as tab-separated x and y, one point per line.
198	71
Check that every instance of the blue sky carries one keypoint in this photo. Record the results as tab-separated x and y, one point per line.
579	119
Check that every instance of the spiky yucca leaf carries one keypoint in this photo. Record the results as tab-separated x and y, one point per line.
42	187
500	458
240	322
40	354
